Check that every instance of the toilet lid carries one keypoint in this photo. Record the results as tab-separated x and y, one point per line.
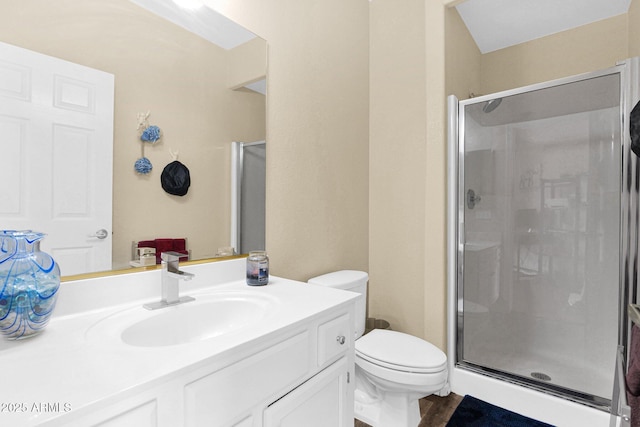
403	352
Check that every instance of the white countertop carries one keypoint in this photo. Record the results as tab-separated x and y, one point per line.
65	368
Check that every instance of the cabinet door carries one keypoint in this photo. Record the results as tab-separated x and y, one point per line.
226	396
322	401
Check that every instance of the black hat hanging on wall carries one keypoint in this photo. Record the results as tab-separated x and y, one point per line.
634	129
175	178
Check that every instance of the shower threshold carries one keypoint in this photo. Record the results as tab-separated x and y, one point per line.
541	385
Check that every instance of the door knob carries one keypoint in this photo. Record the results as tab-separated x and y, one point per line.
100	234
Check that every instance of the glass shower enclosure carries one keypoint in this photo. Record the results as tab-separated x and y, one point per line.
542	229
248	196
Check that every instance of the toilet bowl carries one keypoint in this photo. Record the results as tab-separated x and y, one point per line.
394	370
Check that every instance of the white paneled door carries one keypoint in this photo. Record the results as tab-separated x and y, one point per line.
56	145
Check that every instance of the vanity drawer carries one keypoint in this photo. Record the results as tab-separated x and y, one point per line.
334	338
227	396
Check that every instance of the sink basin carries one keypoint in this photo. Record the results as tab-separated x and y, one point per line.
209	316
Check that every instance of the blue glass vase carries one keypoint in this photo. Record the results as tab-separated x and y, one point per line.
29	282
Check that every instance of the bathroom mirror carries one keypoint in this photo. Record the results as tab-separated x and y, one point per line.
202	96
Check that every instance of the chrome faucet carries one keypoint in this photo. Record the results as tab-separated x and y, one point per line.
171	276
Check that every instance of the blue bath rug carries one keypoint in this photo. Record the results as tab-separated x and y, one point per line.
474	412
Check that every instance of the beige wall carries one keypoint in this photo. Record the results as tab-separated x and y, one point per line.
182	80
462	58
317	130
397	153
591	47
436	165
634	28
583	49
407	150
408	165
247	63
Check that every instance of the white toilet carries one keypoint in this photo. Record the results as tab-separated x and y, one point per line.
393	370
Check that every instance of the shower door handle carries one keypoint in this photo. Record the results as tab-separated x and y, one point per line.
472	198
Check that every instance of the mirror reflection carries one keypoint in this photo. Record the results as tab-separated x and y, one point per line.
201	95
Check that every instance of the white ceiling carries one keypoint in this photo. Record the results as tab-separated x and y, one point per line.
493	24
496	24
203	21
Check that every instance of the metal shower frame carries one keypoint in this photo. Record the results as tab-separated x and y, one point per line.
629	72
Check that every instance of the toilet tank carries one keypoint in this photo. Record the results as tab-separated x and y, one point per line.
349	280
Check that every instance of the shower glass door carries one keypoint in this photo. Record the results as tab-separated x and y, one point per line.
539	214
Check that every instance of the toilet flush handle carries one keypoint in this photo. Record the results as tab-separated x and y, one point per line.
341	339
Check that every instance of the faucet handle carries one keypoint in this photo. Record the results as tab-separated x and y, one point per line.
171	256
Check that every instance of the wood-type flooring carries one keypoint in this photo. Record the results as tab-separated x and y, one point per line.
435	411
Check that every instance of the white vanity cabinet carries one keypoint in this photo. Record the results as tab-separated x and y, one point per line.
303	380
325	400
301	376
293	364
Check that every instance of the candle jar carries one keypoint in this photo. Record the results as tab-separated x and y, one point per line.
257	268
